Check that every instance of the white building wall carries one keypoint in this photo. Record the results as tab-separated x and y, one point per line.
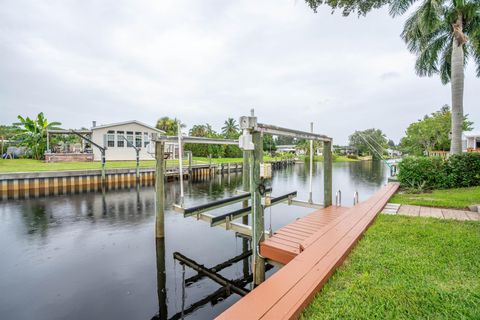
121	153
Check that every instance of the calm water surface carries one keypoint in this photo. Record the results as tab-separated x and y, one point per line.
89	256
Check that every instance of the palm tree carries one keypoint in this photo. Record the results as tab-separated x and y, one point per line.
33	133
169	125
442	33
230	129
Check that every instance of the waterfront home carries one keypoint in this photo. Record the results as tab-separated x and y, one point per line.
471	142
118	139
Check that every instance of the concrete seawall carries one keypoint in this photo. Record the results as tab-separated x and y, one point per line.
24	185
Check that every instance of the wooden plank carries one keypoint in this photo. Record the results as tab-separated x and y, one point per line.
285	293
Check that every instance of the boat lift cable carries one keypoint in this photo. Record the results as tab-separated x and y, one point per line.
374	149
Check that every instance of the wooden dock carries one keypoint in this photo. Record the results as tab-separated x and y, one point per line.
287	242
314	251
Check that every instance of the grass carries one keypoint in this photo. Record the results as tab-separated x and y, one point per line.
336	158
29	165
450	198
406	268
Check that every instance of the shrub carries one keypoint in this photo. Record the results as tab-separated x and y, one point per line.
352	156
438	173
463	170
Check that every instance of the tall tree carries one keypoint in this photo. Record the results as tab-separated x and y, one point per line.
430	133
204	150
33	133
442	33
230	129
169	125
370	141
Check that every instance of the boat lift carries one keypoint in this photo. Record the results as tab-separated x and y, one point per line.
251	143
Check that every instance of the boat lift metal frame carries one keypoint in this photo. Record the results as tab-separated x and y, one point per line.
252	145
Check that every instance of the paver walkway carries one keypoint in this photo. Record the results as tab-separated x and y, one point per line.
442	213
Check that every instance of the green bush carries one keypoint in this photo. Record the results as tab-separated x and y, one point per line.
463	170
352	156
437	173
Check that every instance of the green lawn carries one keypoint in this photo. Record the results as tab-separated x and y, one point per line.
336	158
28	165
407	268
450	198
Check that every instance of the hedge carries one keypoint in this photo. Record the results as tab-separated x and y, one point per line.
457	171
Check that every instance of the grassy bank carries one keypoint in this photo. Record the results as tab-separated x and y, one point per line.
29	165
406	268
449	198
336	158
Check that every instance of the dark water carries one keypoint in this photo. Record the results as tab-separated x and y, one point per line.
89	256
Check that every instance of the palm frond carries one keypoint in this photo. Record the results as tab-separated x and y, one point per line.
446	63
399	7
427	62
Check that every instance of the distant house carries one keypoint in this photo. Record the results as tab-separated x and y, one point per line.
114	137
471	142
345	150
289	148
393	153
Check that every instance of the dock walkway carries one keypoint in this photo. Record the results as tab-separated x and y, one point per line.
287	292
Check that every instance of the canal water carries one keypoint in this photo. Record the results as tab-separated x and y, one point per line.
94	256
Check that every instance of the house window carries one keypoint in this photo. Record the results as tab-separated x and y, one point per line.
111	139
130	138
146	139
138	139
120	139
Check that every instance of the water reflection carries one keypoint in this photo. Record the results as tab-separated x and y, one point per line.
93	255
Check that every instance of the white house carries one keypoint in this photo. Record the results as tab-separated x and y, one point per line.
114	137
137	133
471	142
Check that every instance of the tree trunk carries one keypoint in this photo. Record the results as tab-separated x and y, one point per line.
457	80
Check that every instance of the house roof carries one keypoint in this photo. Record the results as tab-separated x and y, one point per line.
472	134
126	122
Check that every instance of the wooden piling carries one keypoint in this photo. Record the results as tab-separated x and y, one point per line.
258	224
160	190
327	173
161	279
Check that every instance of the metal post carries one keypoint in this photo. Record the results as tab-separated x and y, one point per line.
245	182
160	190
310	198
190	156
258	224
137	150
103	165
180	162
338	198
327	173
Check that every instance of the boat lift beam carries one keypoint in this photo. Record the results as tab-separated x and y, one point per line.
286	132
187	212
217	220
195	140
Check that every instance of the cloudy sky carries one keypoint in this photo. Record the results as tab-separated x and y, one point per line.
204	61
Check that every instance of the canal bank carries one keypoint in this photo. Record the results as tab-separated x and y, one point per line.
23	185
